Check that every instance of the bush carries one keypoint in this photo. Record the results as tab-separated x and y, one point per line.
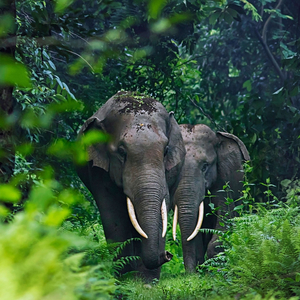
41	259
264	252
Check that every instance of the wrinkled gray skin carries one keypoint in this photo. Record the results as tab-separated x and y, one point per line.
212	159
142	161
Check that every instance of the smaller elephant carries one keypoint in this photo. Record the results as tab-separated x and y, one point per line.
212	159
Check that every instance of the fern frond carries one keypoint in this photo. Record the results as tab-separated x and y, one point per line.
121	246
212	231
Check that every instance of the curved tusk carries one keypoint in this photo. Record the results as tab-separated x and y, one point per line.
133	219
164	217
199	223
175	220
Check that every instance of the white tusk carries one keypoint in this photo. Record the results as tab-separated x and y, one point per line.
175	220
133	219
199	223
164	217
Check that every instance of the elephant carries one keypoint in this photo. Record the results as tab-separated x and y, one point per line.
212	160
133	177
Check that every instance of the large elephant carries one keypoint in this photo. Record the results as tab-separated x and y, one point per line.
212	159
132	177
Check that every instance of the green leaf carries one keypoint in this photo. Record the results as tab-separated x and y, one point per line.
9	193
7	24
247	84
94	137
286	182
55	216
213	17
25	149
61	5
155	7
238	207
254	138
13	73
227	17
161	25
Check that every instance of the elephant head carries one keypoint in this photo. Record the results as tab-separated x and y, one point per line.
212	159
131	177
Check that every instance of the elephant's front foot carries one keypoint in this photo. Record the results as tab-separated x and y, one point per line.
214	247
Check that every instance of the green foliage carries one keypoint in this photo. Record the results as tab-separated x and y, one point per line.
34	252
269	243
292	189
12	72
175	266
120	262
206	62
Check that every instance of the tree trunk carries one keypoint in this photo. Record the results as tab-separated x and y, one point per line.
7	104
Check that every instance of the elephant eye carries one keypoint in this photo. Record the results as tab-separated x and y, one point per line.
122	152
204	167
166	150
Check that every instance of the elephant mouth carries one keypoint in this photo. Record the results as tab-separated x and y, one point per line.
166	257
198	225
136	224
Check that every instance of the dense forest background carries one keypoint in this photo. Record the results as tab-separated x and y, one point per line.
233	65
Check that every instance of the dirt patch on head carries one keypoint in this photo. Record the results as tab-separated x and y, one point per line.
134	102
188	127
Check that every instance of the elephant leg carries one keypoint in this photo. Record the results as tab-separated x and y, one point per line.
148	276
213	245
209	222
193	253
111	203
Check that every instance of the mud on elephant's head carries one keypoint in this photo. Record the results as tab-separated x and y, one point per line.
142	160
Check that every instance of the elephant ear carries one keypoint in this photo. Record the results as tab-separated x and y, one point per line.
176	150
97	152
231	154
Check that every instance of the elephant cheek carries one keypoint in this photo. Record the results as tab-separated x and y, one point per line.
211	177
116	172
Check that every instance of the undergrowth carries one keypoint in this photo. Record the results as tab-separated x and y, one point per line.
54	248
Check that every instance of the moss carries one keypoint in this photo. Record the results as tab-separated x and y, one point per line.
135	102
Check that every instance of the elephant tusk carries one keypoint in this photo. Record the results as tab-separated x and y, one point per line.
164	217
175	220
133	219
199	223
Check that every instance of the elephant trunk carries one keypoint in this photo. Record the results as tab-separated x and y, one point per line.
148	214
189	207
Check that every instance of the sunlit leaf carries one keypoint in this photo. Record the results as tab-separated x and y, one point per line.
25	149
55	216
40	199
61	5
13	73
4	211
155	7
161	25
9	193
68	197
93	137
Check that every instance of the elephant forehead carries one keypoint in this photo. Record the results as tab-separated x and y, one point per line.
200	152
197	134
144	134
